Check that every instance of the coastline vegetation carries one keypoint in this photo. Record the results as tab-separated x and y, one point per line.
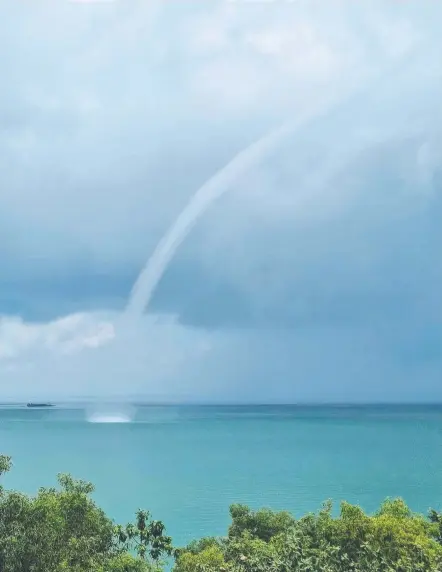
62	529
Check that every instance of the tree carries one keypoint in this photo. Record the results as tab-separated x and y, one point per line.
62	529
146	538
391	540
5	464
262	524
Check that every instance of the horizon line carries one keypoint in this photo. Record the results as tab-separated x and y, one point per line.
112	401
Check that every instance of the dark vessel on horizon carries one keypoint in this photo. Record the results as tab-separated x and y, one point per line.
40	405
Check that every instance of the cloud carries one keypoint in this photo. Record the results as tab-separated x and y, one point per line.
65	335
112	115
94	355
166	361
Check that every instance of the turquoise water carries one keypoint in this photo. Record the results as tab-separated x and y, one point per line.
188	464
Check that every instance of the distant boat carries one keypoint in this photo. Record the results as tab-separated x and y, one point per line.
40	405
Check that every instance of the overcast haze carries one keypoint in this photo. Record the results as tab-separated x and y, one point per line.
316	277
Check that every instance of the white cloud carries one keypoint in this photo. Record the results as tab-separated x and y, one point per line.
165	361
113	95
19	340
123	110
99	355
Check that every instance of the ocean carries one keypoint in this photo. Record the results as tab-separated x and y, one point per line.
187	464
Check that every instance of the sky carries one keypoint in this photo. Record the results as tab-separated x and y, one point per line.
314	277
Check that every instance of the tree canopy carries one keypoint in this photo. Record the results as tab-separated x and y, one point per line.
392	540
62	529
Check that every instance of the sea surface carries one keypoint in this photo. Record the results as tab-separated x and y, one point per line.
188	464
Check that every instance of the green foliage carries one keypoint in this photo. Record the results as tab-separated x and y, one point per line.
210	558
5	464
145	538
262	524
125	562
392	540
62	529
